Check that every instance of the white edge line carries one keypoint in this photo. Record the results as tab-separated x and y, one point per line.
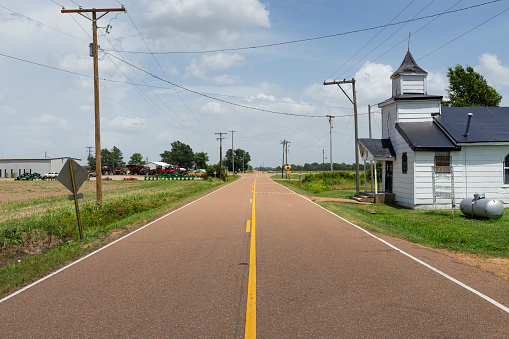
485	297
106	246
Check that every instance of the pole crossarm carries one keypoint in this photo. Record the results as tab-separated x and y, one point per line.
339	83
93	10
354	102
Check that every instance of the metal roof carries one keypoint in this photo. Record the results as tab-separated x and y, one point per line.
377	148
488	124
408	66
425	136
410	97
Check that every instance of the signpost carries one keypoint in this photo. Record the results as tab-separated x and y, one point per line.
287	167
72	176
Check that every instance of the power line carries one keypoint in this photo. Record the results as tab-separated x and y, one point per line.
447	43
216	99
42	24
316	38
167	78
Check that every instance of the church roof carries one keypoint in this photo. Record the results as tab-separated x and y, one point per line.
408	66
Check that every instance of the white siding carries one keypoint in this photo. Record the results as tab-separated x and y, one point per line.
417	111
412	84
396	89
16	167
388	120
403	183
477	169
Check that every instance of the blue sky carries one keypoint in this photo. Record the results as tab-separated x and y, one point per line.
269	92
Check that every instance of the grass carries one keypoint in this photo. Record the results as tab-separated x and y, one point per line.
438	229
33	245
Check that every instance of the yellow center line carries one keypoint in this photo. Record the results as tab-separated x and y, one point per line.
248	226
251	289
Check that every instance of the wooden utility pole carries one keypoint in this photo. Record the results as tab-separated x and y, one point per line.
233	154
354	102
94	11
220	153
370	136
283	162
330	137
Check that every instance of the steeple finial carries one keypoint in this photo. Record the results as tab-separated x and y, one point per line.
409	35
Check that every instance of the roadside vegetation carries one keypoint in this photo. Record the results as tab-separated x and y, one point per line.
40	234
439	229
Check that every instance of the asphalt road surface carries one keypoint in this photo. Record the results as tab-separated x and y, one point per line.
255	259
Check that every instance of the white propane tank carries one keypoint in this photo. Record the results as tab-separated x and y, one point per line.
479	207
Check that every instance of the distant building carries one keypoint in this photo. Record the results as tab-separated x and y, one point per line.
154	164
433	155
11	168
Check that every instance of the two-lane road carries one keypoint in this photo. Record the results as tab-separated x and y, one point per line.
255	250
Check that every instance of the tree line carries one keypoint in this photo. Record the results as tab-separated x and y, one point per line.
180	154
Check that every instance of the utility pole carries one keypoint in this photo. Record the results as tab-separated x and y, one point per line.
370	136
285	149
220	153
283	162
323	158
89	152
233	154
354	102
94	11
330	137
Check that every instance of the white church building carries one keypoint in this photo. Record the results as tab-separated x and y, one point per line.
433	155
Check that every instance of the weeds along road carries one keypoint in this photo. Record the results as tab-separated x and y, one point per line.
269	263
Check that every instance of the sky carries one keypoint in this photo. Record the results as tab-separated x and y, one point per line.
186	70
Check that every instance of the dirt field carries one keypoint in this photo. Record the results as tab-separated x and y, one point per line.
13	190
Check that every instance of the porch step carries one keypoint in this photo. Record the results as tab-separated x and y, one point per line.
364	197
378	198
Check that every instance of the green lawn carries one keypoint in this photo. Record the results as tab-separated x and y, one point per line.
440	229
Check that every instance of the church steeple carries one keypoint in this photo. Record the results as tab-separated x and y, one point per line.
408	66
409	78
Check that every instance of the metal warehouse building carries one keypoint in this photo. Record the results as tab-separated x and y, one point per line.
11	168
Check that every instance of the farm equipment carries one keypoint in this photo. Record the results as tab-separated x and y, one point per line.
120	171
136	169
29	176
106	170
175	175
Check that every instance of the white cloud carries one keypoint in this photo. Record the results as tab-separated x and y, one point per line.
492	69
212	107
373	83
123	123
49	120
437	83
203	21
217	62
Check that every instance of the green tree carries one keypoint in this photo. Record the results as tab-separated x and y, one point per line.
200	160
181	155
113	157
240	158
106	158
468	88
91	162
136	159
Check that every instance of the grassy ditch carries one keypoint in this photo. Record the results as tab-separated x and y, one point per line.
45	235
440	229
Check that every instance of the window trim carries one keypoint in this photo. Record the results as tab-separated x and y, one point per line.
440	161
505	170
